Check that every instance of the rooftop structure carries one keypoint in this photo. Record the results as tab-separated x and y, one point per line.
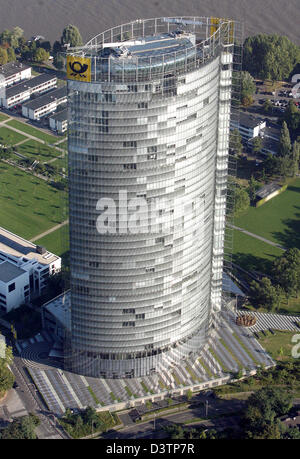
17	247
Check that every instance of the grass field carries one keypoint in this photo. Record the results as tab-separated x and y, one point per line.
27	129
278	220
3	117
10	137
37	150
56	242
28	205
279	346
253	254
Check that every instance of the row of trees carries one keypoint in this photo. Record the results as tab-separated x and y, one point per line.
13	42
260	420
270	57
6	377
22	428
283	285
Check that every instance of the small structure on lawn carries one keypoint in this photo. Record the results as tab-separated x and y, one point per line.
268	192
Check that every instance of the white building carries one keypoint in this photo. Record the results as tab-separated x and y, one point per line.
19	93
248	126
14	286
41	106
58	122
26	265
14	72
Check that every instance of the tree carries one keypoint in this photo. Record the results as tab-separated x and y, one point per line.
270	57
292	118
248	87
271	165
253	187
6	380
40	55
3	56
263	409
257	145
235	142
71	35
242	200
57	48
59	61
267	107
295	157
285	145
21	429
265	294
11	55
46	45
286	271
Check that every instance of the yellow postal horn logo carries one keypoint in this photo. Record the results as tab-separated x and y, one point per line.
79	68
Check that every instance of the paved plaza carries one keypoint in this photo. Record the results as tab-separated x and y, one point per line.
230	349
266	321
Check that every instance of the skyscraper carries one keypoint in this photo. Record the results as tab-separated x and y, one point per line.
149	114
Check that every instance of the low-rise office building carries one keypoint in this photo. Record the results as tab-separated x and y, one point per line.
25	264
56	315
58	122
14	286
248	126
22	92
41	106
14	72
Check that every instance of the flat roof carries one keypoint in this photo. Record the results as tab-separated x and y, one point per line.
12	68
14	245
267	190
28	84
250	121
60	116
45	99
9	272
60	308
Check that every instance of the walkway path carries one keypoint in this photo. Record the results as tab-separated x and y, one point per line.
257	237
51	230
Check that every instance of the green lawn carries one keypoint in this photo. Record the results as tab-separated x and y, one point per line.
279	346
253	254
38	150
10	137
278	220
26	128
28	205
56	242
3	117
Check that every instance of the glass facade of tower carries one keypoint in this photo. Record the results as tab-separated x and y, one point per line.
150	128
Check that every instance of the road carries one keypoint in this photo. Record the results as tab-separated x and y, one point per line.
48	428
218	410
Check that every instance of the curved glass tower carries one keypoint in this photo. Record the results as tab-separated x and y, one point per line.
149	114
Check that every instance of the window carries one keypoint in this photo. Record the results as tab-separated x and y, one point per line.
128	324
143	105
140	316
150	270
12	287
129	166
129	144
128	311
206	102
